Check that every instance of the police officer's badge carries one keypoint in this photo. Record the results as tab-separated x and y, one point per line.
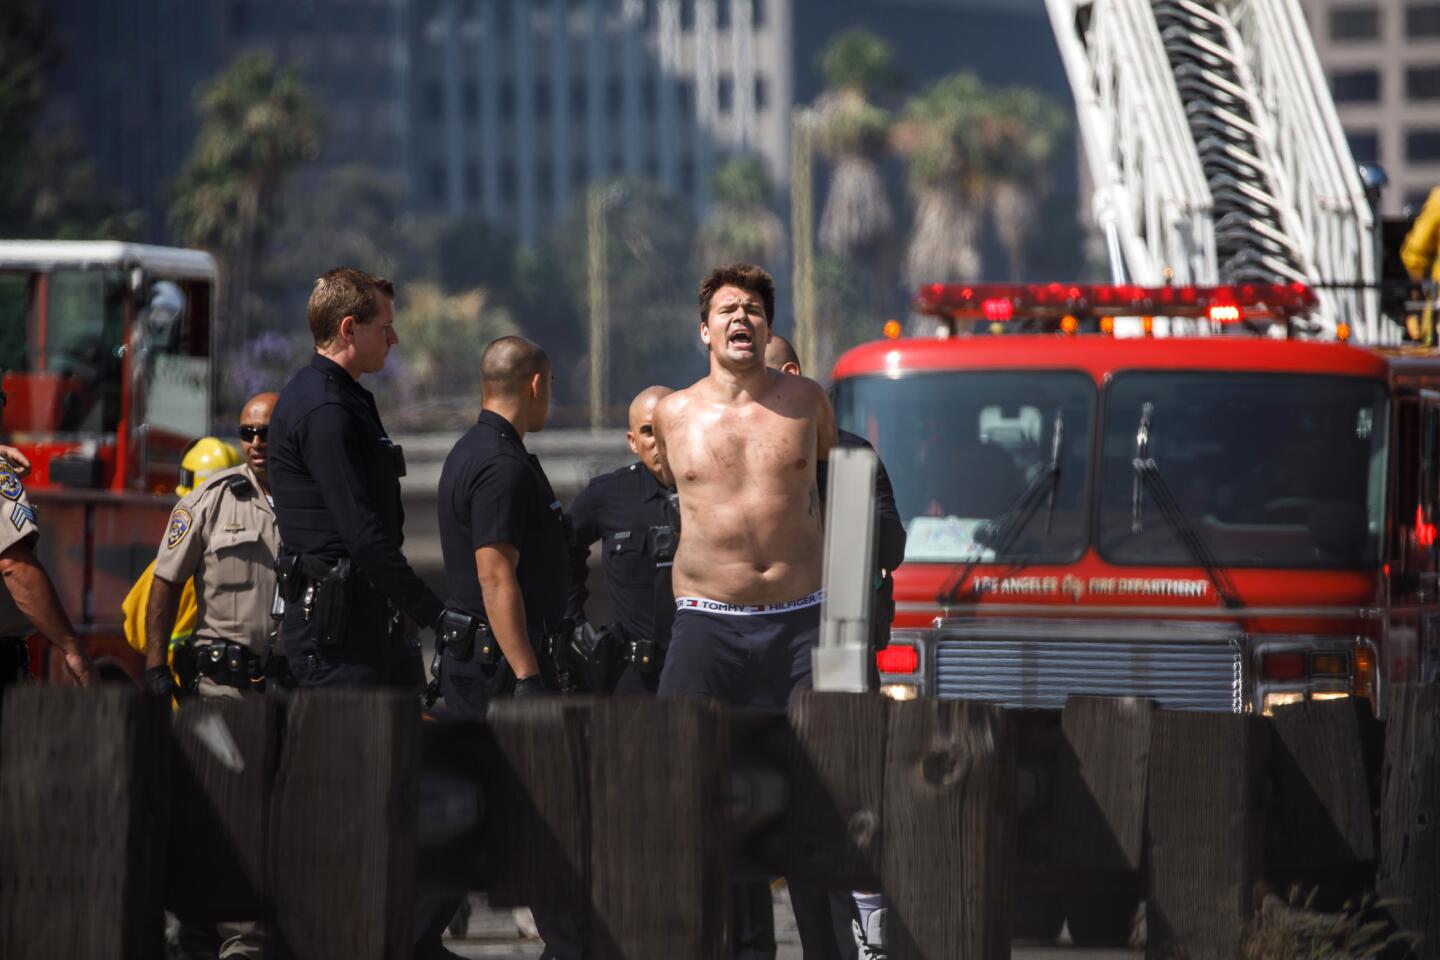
180	522
10	486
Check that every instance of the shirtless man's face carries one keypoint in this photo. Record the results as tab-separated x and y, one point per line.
737	329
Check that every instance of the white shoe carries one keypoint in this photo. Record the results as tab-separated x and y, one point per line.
870	940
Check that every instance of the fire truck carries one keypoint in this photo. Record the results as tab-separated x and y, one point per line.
105	349
1159	492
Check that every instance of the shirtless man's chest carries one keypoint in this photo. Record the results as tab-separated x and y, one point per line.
745	470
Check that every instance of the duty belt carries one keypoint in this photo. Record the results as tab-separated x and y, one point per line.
230	665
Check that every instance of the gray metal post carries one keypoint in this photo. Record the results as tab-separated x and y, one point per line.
840	659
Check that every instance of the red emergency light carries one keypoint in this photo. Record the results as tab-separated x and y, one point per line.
897	658
1230	303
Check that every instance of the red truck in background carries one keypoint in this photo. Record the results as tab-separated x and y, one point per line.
106	351
1164	492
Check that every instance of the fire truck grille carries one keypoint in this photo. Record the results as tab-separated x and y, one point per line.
1036	670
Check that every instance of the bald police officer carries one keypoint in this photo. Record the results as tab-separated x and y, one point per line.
223	533
628	511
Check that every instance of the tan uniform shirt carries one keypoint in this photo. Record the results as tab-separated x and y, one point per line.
228	543
17	523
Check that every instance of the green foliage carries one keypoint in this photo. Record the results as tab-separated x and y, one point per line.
859	60
258	123
741	226
940	133
651	281
1020	132
1292	930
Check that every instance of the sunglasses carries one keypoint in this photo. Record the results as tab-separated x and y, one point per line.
251	434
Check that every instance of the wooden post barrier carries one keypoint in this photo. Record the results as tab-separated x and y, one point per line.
1410	813
223	775
1321	830
1099	814
659	846
343	828
535	773
84	792
1206	813
948	820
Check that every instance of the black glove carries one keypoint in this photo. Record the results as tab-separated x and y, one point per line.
530	687
159	682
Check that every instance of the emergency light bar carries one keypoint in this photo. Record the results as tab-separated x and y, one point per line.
999	303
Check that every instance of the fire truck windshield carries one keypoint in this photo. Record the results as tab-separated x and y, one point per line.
1270	470
962	448
61	349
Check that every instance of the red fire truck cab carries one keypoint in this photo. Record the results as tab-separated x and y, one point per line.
105	352
1223	518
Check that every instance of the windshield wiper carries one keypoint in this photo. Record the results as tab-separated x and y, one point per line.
1004	530
1147	476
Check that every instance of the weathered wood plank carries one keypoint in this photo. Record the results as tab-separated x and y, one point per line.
1100	783
84	792
660	846
1410	812
1206	814
837	790
948	827
535	774
224	772
1322	814
342	855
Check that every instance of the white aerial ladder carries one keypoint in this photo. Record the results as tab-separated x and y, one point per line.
1215	151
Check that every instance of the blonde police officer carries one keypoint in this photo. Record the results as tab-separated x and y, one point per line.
222	533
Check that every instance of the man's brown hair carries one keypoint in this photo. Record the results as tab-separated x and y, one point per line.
340	293
747	277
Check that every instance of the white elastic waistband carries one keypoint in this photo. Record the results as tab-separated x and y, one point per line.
747	609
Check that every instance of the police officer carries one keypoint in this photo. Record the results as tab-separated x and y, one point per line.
335	476
629	511
223	533
28	600
503	536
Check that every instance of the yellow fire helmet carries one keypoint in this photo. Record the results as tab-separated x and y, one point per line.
202	458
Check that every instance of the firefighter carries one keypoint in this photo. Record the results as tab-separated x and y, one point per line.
28	600
1419	254
201	458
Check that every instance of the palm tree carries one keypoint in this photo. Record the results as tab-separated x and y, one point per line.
258	124
1020	134
741	225
850	130
940	135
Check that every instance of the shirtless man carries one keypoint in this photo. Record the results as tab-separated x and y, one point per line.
743	444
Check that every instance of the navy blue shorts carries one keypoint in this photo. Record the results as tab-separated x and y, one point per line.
742	655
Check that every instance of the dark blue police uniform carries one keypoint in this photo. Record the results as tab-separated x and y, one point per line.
335	478
619	509
492	490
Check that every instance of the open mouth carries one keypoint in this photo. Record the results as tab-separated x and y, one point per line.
742	337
